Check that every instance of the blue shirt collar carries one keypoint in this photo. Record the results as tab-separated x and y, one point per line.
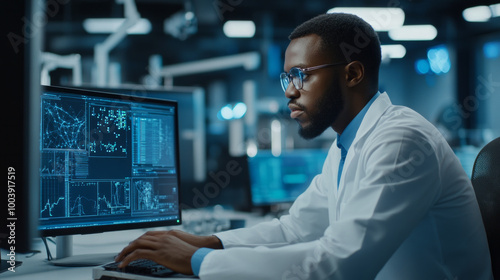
345	139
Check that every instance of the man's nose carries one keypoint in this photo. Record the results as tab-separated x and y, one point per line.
291	92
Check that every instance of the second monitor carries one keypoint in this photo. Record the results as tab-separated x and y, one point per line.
281	179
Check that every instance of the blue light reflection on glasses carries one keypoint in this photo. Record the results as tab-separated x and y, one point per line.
286	78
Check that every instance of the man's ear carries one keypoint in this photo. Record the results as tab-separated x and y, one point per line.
355	73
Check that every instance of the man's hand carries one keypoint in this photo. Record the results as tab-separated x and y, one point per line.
199	241
172	249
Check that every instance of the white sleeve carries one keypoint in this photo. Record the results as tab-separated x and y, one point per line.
307	220
372	225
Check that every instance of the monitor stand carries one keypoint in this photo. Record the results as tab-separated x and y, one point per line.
65	257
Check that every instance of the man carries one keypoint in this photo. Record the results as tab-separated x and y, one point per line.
392	201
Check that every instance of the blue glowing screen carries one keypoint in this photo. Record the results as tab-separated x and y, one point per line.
106	160
281	179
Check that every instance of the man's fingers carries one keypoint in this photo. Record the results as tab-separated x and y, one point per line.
144	242
166	249
151	238
156	233
135	255
161	233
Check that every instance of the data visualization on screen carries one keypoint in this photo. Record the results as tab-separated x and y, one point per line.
107	162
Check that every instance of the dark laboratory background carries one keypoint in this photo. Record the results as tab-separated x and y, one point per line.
227	76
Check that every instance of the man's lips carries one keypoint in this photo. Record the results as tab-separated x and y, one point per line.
296	110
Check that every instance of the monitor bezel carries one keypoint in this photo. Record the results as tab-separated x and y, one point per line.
118	227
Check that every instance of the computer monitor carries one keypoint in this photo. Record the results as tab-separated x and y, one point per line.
192	131
281	179
108	162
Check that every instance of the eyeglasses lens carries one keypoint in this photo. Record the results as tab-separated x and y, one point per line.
295	75
284	81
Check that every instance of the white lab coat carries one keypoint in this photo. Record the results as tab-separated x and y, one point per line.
404	209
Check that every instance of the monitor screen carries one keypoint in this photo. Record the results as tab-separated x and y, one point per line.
107	162
191	108
281	179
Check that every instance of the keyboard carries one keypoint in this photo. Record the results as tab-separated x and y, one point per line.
141	267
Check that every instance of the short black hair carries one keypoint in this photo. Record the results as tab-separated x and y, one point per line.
347	37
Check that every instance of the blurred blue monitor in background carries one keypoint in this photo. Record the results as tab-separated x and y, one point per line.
281	179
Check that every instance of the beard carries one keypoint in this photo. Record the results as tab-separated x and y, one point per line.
327	111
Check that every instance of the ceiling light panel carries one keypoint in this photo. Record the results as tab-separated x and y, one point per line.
381	19
424	32
477	14
111	25
239	28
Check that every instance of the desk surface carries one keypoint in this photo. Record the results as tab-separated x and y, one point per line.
108	243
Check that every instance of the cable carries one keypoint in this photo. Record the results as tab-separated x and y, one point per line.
33	253
49	255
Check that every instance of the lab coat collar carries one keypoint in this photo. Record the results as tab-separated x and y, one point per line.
374	113
347	137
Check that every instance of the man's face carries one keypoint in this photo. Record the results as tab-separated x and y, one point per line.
318	104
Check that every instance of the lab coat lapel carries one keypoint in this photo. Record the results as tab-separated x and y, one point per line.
371	118
335	161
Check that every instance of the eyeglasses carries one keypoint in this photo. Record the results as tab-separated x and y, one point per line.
297	74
